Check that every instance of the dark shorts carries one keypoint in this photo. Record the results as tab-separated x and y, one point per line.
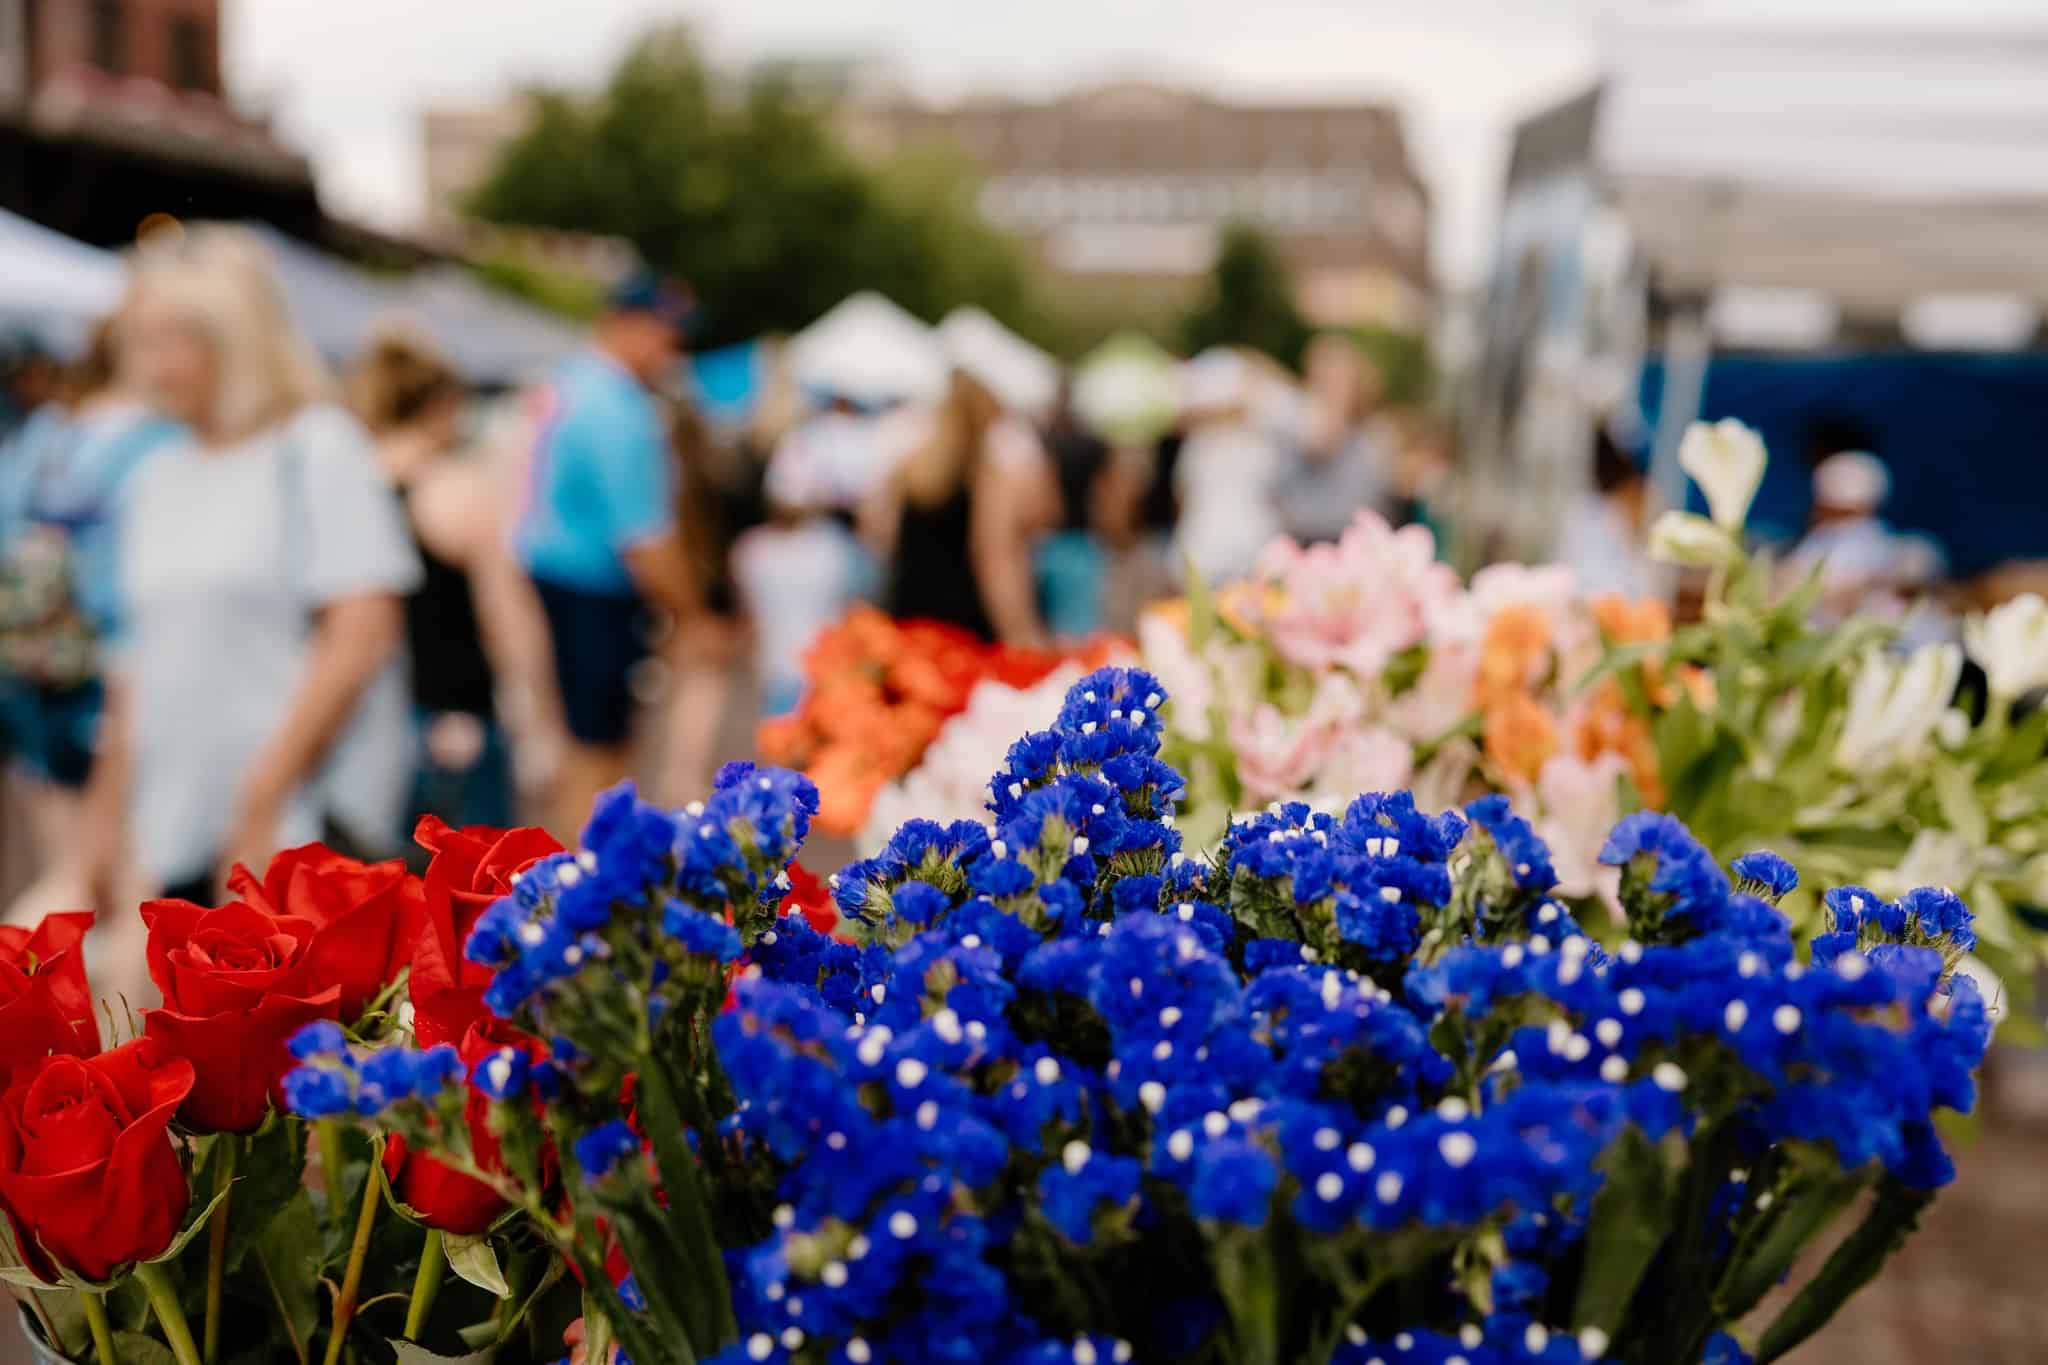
52	732
598	639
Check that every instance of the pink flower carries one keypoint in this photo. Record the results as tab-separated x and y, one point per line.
1277	755
1441	696
1372	759
1580	802
1553	587
1356	603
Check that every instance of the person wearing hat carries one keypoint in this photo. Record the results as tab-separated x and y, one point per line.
597	534
1856	552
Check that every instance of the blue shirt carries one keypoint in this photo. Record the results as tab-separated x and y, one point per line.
601	480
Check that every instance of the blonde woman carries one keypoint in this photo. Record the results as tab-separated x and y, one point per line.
959	518
261	691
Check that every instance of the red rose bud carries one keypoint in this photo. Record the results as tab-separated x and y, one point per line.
366	915
809	897
237	984
444	1198
88	1173
471	869
45	1000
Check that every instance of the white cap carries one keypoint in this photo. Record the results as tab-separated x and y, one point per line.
1851	481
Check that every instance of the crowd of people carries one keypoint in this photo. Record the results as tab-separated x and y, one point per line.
246	603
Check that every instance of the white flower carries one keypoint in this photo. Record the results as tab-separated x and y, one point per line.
1895	704
2010	644
1726	459
1690	539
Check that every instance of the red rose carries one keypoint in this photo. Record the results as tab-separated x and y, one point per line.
809	898
45	1001
236	985
472	868
444	1198
88	1173
367	915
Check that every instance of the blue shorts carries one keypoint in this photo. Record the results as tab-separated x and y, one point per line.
52	732
598	639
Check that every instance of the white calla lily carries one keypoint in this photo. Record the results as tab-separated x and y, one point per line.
1726	459
2010	643
1895	706
1690	539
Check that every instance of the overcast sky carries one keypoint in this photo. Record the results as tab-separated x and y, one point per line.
348	81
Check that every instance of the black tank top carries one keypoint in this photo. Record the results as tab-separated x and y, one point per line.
931	577
450	671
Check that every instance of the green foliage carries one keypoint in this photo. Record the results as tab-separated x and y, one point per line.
753	199
1249	301
1402	359
573	296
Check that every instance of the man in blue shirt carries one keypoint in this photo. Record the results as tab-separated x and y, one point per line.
598	533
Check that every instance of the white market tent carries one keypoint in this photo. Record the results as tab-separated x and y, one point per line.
1881	159
1876	151
869	350
1022	377
491	340
52	286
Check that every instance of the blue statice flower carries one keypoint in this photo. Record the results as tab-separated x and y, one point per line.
322	1037
1763	873
1688	885
318	1092
501	1074
604	1148
1527	857
1071	1192
700	933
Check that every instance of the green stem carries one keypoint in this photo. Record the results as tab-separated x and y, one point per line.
102	1332
217	1241
328	1133
688	1214
352	1278
169	1315
426	1284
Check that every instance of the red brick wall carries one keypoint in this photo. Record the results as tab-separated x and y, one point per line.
64	37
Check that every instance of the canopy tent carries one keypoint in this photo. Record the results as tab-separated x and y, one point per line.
1873	157
870	351
1024	378
1128	388
336	304
52	287
494	341
1875	153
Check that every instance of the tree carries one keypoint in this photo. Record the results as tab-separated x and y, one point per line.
749	196
1249	301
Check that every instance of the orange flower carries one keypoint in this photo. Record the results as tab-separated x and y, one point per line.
1512	652
1609	726
1519	735
1630	623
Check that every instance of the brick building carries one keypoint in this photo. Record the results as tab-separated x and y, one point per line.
114	110
1128	186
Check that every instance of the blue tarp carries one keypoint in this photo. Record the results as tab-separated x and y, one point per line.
728	382
1964	436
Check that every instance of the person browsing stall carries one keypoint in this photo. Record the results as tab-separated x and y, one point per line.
598	535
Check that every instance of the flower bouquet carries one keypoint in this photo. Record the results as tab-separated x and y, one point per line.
1365	664
878	692
162	1205
1359	1089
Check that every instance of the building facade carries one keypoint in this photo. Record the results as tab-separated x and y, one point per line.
114	111
1129	186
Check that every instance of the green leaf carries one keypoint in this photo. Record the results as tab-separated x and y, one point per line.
1201	608
269	1174
410	1354
193	1227
133	1348
1630	1217
476	1260
287	1257
1956	792
1892	1217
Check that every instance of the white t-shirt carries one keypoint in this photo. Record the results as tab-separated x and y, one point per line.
1596	544
794	581
225	554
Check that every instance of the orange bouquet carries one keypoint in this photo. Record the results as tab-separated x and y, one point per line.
877	690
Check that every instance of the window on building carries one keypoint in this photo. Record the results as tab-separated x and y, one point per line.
190	69
109	24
